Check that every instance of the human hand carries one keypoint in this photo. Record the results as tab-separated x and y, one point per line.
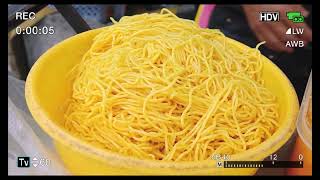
274	33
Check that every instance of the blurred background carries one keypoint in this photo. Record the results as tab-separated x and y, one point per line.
68	20
24	50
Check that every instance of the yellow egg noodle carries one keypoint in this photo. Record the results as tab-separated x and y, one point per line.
155	86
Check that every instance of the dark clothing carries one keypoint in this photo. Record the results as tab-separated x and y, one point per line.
231	20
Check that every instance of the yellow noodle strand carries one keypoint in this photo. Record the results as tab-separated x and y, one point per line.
154	86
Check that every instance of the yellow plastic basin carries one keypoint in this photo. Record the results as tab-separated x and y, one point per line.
47	89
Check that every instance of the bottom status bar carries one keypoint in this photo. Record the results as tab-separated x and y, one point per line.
263	164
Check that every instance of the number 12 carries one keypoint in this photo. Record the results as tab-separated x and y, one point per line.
273	157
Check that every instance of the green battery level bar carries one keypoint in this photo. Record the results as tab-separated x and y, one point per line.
295	17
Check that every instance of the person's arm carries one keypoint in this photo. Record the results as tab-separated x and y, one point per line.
274	33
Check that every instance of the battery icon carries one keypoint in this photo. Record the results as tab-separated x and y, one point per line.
295	16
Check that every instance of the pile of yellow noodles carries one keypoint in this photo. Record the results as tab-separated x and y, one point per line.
154	86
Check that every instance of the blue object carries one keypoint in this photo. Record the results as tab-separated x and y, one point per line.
96	12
